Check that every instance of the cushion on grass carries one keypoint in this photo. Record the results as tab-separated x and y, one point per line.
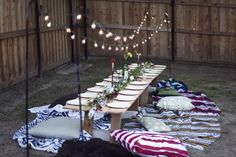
60	127
168	92
175	103
153	124
145	143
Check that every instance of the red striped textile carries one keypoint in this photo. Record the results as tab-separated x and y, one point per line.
150	144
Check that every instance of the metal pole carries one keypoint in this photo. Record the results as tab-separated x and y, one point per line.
76	46
27	73
85	28
37	14
168	45
71	25
173	46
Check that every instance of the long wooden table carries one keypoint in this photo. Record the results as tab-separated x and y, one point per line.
116	113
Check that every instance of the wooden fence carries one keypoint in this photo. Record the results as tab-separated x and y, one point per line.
205	31
55	44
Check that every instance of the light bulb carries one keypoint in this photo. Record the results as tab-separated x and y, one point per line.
110	34
84	41
134	46
165	20
161	24
107	35
109	48
159	27
137	45
117	49
103	47
127	47
149	38
115	39
93	26
46	17
79	16
49	24
101	32
72	37
166	14
122	48
151	35
143	42
68	30
144	19
156	31
118	37
152	17
95	44
125	39
147	13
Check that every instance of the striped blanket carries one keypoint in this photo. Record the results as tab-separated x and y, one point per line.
197	128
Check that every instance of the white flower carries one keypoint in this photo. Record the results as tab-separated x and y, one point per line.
131	78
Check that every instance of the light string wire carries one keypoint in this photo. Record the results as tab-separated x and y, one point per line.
118	46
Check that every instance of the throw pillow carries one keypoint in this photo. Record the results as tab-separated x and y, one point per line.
146	143
60	127
175	103
153	124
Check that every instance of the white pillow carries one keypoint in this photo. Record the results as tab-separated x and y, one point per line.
60	127
175	103
153	124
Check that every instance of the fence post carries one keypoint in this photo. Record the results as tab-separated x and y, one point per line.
173	46
39	52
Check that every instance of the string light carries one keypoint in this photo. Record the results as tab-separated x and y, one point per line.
101	32
143	42
149	38
93	26
79	16
117	49
84	41
103	47
122	48
68	30
46	17
109	48
134	46
72	37
151	35
127	47
156	31
137	45
95	44
49	24
125	39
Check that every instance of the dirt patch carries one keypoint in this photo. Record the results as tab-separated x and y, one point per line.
218	83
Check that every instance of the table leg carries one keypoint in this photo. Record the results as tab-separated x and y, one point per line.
134	106
144	98
88	124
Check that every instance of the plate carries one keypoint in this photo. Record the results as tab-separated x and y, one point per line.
160	66
125	98
150	74
109	79
138	83
118	104
96	89
129	92
75	102
133	87
104	84
89	95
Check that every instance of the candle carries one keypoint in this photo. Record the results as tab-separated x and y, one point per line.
112	63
